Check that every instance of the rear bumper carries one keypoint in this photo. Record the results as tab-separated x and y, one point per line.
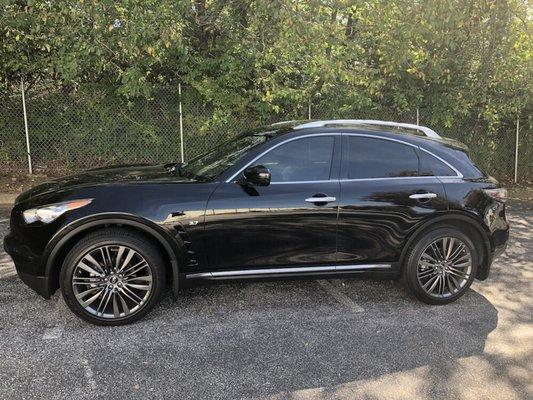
499	239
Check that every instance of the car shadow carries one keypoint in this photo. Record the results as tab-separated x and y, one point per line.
268	337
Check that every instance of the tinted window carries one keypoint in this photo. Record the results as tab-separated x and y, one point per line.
377	158
431	166
307	159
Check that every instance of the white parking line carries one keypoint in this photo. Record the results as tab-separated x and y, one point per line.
339	296
53	333
88	373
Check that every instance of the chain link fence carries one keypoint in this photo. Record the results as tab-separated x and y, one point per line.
71	130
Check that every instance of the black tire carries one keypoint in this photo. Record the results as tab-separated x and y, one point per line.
410	269
114	237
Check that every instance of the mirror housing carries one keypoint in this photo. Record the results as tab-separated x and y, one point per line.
257	175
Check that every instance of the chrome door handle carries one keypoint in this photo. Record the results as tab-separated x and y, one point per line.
419	196
325	199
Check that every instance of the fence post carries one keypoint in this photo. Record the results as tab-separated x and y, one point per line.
516	149
26	126
309	109
417	116
182	146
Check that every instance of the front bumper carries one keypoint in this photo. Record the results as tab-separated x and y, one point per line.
26	264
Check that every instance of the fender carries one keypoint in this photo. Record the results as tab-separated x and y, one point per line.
173	246
454	215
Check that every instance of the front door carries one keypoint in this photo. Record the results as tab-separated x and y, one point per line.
291	222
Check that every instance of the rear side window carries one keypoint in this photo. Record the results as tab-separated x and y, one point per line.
376	158
301	160
431	166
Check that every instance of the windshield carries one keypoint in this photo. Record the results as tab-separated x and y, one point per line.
212	163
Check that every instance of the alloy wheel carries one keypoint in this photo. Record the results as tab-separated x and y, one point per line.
112	281
444	267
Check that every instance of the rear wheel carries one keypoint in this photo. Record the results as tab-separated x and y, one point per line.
440	266
112	277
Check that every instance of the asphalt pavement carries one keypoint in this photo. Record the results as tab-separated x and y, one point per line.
314	339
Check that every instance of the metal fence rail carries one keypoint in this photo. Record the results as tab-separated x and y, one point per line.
62	131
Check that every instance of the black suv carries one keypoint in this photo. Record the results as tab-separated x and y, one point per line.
316	198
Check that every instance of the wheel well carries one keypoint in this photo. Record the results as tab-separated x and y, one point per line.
464	224
57	261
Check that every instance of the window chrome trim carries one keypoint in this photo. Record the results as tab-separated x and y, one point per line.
458	174
288	270
396	178
231	178
300	182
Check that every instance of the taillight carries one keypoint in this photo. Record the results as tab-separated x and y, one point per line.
499	194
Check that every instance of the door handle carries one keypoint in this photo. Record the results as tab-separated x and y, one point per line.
325	199
422	196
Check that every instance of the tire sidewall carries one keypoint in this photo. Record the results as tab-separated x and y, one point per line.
143	247
410	269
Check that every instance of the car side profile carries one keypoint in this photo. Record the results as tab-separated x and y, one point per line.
296	199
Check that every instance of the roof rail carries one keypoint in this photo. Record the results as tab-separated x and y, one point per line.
315	124
290	121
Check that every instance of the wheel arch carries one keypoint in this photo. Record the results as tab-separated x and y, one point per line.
464	222
64	240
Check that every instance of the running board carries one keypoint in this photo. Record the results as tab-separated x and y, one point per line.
274	272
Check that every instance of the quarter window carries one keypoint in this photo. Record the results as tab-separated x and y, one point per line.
376	158
306	159
431	166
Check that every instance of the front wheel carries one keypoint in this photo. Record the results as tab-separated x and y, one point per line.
440	266
112	277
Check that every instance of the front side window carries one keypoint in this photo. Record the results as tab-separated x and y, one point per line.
300	160
376	158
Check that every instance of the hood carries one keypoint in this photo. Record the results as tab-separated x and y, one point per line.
136	173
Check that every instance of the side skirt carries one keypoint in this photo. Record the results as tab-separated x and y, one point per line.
289	272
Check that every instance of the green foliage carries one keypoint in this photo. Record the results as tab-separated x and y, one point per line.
455	60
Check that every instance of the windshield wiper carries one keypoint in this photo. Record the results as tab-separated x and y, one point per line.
173	167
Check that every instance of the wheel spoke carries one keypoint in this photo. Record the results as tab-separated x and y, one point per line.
451	244
138	278
456	252
427	264
455	283
119	256
116	312
140	287
436	251
92	299
136	268
426	255
90	270
427	273
81	295
458	273
95	263
125	307
105	300
129	256
137	302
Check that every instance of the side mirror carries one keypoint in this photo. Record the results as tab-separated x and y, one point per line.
257	175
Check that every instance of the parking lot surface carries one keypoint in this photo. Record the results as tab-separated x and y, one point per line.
314	339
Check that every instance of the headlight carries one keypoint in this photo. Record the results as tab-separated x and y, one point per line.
47	214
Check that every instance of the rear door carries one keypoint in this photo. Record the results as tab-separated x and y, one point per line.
383	197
